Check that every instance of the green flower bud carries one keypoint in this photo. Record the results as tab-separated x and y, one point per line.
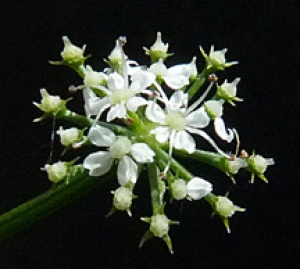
257	165
68	136
71	53
159	225
122	198
179	189
158	50
216	59
227	92
57	171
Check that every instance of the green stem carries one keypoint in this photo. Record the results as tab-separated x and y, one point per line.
200	80
59	196
86	122
156	195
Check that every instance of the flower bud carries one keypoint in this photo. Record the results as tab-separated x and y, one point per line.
225	207
216	59
122	198
68	136
71	52
57	171
93	78
179	188
158	50
50	103
257	165
159	225
227	92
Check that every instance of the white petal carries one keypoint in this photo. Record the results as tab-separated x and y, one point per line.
115	82
135	102
142	153
221	130
183	140
101	137
197	188
178	100
177	76
93	103
161	133
116	111
98	163
159	68
198	118
127	171
141	80
207	138
155	113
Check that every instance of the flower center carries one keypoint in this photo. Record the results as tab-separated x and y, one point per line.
121	95
175	120
120	148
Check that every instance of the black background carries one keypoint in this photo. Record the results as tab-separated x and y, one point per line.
262	35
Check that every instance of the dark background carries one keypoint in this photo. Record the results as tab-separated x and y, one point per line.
262	35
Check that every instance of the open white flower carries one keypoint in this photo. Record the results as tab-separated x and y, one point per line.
120	148
176	76
177	121
120	97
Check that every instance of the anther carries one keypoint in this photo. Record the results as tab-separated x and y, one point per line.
212	78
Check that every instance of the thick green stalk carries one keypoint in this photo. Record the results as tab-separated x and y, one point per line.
59	196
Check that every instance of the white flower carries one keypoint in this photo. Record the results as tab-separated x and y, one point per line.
120	147
68	136
177	121
176	76
57	171
71	52
195	189
120	97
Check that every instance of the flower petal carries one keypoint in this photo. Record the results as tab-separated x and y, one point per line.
178	100
141	79
127	171
142	153
183	140
177	76
155	113
116	111
101	137
115	82
208	139
198	118
98	163
221	130
161	133
197	188
135	102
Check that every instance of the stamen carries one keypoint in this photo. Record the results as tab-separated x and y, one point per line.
199	101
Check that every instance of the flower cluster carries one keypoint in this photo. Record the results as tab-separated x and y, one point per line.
140	118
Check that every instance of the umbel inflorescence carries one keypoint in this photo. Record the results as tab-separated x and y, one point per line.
133	124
